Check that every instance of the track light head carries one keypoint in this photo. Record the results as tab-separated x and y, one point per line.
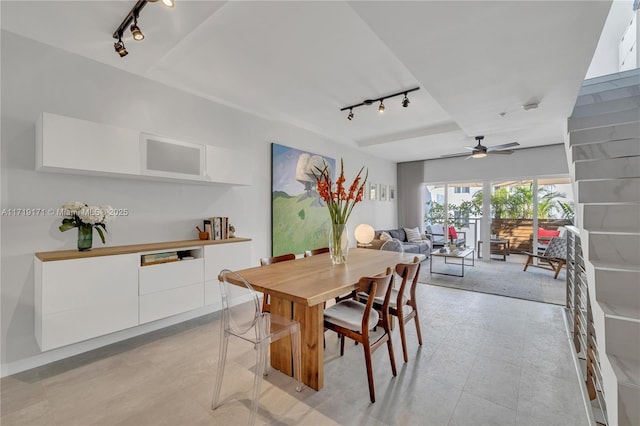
350	116
120	49
381	107
135	31
405	101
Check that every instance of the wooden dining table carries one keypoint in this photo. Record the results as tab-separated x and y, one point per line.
299	288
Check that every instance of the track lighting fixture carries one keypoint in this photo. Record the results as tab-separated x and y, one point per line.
405	102
135	30
120	49
132	18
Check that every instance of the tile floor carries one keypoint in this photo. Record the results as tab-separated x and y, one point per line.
486	360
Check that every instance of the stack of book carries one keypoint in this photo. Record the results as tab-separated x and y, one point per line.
217	227
155	258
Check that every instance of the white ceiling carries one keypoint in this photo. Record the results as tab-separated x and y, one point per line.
301	61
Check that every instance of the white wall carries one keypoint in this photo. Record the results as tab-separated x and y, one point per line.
37	78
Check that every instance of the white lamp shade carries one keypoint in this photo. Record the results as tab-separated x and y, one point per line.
364	233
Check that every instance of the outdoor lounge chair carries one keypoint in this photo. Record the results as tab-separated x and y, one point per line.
553	258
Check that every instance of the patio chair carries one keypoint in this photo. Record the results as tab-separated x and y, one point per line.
553	258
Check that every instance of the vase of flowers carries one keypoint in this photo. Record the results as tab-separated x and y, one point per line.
85	218
340	203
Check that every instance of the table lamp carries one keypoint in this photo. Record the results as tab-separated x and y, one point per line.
364	234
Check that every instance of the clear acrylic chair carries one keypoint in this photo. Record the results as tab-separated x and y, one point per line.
259	328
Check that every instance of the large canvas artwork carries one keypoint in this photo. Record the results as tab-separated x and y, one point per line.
299	218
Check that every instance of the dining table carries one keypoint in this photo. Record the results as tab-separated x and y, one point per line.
299	288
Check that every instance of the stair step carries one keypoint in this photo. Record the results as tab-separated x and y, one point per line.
610	81
627	374
602	120
621	312
609	149
609	191
613	266
607	107
627	370
628	407
611	217
614	248
593	95
619	290
622	338
613	168
605	134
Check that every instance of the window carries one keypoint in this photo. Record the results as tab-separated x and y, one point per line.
461	190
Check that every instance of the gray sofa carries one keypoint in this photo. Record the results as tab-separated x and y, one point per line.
422	247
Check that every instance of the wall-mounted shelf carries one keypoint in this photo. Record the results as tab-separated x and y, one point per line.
105	150
83	295
48	256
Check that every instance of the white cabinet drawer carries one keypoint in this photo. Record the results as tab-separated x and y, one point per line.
226	256
154	278
165	303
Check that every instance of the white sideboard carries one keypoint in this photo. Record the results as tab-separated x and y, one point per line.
101	149
83	295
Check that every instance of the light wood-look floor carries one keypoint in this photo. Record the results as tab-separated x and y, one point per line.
486	360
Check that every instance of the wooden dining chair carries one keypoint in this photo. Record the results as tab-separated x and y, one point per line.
264	261
354	319
308	253
403	304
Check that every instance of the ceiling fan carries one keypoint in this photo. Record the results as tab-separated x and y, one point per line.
480	150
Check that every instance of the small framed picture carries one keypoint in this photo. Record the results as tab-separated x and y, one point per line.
392	193
383	192
373	191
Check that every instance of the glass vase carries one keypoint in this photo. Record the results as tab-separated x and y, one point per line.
339	243
85	237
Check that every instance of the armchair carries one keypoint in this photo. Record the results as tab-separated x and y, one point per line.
436	234
553	258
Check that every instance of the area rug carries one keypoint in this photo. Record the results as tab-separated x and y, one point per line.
501	278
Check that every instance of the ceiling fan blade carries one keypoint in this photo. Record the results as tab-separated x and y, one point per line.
502	152
454	155
470	147
503	146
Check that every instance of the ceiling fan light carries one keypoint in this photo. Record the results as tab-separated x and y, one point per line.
479	154
168	3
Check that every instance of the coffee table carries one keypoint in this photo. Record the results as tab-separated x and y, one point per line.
460	253
498	246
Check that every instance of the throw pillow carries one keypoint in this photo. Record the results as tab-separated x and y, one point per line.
413	235
384	236
452	233
547	233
